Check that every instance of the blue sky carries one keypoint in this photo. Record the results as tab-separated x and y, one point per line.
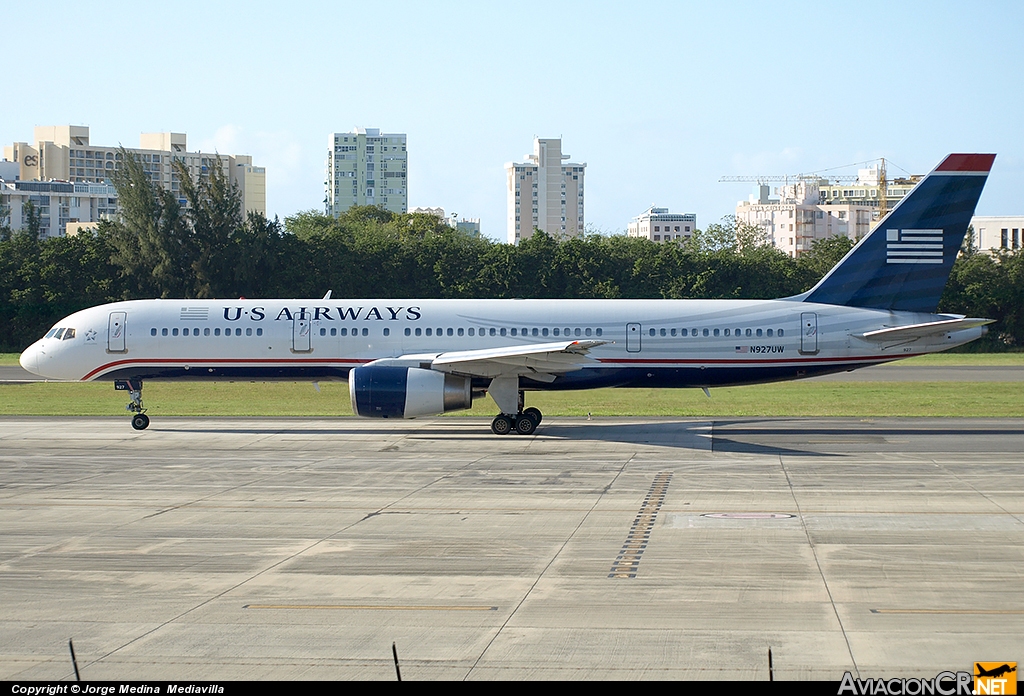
659	99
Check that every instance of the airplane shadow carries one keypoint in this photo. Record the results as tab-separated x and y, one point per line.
681	434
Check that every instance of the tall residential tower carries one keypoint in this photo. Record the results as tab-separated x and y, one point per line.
545	193
366	167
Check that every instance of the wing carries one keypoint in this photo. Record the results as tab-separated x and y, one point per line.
931	328
540	361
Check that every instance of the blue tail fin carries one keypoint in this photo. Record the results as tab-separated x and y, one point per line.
904	263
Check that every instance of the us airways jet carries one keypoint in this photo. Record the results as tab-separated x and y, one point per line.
408	358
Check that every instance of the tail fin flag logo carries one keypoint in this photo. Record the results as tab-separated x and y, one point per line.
913	246
995	678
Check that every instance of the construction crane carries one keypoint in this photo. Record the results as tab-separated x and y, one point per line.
883	182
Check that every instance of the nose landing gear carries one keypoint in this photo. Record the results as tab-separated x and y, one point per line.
140	421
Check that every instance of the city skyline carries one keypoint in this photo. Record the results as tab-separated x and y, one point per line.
657	115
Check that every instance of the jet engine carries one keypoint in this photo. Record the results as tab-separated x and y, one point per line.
406	392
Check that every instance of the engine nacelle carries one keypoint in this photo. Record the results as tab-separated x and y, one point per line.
406	392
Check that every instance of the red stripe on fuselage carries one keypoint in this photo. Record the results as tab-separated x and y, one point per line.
227	361
603	361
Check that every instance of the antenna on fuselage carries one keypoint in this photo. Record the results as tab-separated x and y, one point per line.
328	295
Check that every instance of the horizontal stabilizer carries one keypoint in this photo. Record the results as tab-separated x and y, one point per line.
931	328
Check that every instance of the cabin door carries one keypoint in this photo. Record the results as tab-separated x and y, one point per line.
115	332
301	327
809	333
632	338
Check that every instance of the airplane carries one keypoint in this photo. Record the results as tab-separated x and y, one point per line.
410	358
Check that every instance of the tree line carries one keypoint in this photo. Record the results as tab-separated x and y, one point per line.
208	249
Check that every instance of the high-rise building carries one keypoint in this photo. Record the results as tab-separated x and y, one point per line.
545	193
69	180
366	167
659	225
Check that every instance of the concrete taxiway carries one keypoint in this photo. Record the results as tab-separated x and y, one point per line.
206	549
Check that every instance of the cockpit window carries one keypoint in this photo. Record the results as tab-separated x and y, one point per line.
50	333
60	332
69	333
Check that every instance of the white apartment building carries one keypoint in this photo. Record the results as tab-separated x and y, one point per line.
60	205
63	156
659	225
544	193
998	232
366	167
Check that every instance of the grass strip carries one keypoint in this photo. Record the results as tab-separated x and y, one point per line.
852	399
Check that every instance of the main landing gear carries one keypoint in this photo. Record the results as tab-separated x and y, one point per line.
524	422
140	421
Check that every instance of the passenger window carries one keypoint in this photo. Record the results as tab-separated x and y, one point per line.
334	331
472	332
544	332
430	332
163	332
503	331
216	332
769	333
174	332
748	333
515	331
259	332
493	332
461	331
555	331
323	332
727	332
206	332
759	333
587	331
408	332
716	333
366	332
387	332
693	332
781	333
344	332
248	332
418	331
152	332
451	332
705	332
662	332
578	332
682	332
238	332
599	332
184	332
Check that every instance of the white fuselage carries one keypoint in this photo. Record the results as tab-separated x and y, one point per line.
657	343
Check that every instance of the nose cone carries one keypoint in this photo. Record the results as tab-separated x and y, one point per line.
30	359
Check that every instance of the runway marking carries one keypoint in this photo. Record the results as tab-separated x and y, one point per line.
628	560
995	612
376	607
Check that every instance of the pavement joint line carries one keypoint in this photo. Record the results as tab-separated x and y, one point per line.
817	562
554	557
376	607
979	492
987	612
